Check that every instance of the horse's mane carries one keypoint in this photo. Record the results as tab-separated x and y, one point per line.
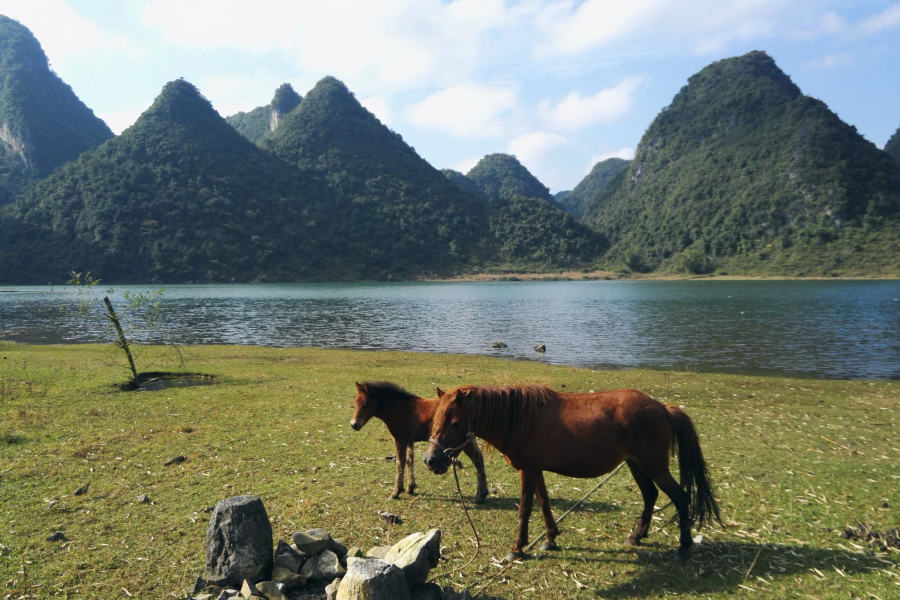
388	393
500	412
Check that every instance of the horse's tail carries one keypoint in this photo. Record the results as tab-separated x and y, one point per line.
694	476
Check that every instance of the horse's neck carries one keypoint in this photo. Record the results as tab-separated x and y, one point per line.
395	405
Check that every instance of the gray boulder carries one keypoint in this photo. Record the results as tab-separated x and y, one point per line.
270	590
378	552
372	579
416	554
239	541
426	591
331	589
451	594
314	541
325	566
288	558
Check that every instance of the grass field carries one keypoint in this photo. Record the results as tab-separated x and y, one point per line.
794	463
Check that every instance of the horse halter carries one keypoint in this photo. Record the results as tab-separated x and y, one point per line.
449	452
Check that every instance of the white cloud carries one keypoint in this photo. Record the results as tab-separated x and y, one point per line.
389	42
537	148
465	165
235	93
121	120
889	17
829	61
63	32
575	111
467	109
378	106
625	153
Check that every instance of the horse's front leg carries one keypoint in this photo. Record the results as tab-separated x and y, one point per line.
525	501
472	451
544	502
410	461
400	462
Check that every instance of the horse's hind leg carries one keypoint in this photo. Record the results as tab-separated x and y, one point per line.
540	489
682	501
410	461
477	458
650	494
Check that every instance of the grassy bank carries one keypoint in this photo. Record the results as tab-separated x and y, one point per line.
794	462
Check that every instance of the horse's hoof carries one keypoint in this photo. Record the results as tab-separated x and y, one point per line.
514	556
633	541
550	546
479	499
394	496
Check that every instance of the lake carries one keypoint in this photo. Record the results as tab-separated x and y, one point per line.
827	329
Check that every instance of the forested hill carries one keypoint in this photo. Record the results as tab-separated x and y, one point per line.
179	196
254	125
893	146
577	201
403	215
43	124
741	164
502	175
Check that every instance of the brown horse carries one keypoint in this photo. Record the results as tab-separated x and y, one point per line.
579	435
408	419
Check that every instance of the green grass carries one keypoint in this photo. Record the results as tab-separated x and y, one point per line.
276	425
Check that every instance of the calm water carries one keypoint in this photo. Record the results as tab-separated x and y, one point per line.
834	329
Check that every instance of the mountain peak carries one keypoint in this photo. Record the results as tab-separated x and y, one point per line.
502	175
893	146
284	101
44	122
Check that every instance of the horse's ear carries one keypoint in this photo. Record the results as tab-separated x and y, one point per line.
440	392
361	388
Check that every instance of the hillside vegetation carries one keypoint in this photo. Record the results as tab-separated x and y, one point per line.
179	196
577	201
254	125
43	124
741	165
503	176
893	146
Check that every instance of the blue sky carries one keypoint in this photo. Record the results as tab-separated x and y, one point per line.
559	83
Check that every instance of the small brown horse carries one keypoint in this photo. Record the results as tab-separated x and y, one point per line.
408	419
579	435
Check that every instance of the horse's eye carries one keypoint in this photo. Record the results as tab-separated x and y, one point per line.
454	424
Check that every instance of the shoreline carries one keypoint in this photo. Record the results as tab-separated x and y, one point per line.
612	276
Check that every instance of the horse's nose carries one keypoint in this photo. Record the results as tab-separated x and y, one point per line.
355	425
428	459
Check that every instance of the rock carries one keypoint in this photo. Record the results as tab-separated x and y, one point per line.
216	580
373	579
390	518
288	558
331	589
289	578
498	345
314	541
270	590
203	597
200	585
239	541
416	554
248	589
144	499
209	509
310	570
83	489
329	565
426	591
175	460
378	552
451	594
540	348
228	595
355	552
57	536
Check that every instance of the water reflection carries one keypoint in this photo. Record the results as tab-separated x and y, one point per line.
836	329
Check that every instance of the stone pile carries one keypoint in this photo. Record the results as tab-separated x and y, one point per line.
240	563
